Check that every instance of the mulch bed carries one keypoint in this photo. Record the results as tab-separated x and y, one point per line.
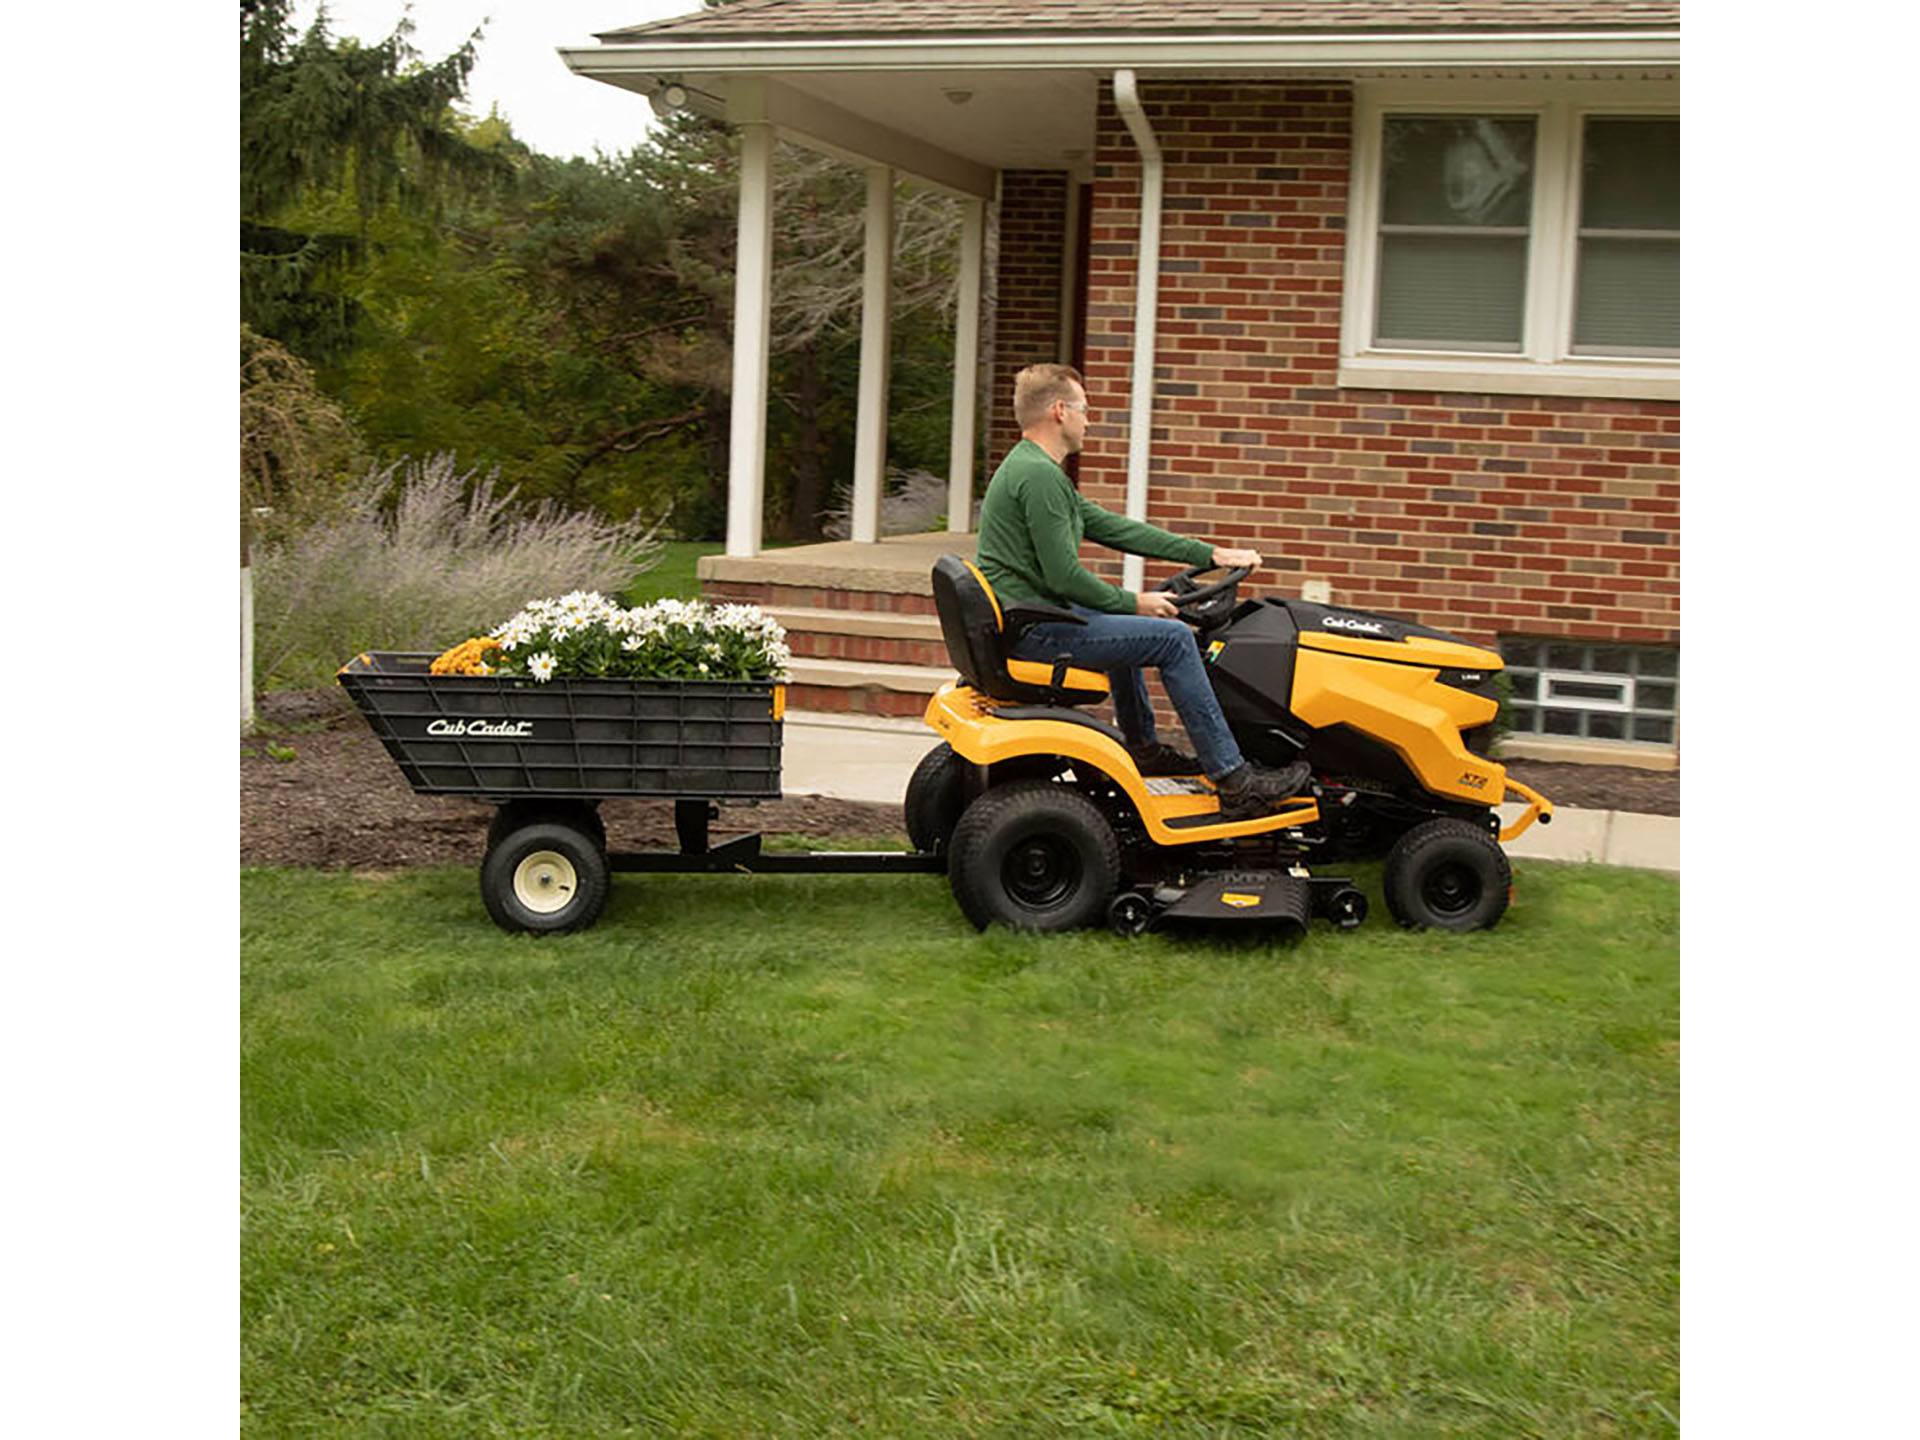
337	801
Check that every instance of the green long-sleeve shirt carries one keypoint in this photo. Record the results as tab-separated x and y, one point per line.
1031	524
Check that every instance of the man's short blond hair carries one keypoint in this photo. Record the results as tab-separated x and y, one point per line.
1037	387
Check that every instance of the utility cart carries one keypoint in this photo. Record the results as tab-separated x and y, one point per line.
547	754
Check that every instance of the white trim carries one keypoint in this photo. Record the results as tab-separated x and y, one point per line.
1146	308
1547	364
966	367
876	358
1069	271
752	340
1209	54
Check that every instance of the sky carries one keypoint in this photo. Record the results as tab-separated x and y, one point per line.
551	108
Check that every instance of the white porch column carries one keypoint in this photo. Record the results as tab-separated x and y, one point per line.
752	327
876	358
966	366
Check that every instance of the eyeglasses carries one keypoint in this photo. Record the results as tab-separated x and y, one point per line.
1079	405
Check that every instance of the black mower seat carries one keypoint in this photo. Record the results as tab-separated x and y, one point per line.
979	633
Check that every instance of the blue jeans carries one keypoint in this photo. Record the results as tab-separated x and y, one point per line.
1121	645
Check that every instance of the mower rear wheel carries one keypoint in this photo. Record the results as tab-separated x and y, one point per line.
545	877
935	797
1034	856
1449	875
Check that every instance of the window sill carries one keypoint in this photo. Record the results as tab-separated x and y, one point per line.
1591	379
1571	750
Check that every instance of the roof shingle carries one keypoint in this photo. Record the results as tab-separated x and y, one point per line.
798	19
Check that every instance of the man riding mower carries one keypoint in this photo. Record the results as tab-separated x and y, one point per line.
1317	727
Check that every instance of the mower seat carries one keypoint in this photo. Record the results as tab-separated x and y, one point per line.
980	634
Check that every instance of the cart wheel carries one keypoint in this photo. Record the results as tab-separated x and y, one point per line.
1447	874
1034	856
935	797
1130	914
545	877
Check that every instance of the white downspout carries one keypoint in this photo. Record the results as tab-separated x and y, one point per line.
1126	99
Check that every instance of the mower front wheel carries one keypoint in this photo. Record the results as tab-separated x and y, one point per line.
1034	856
1449	875
935	797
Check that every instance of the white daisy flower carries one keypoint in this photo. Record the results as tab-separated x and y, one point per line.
541	666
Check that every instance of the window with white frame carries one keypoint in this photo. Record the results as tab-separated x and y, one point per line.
1510	239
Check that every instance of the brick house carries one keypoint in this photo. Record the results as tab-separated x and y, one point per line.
1387	289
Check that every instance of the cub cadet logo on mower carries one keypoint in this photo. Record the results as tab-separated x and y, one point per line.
1341	622
481	730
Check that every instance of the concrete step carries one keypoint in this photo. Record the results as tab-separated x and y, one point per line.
864	687
873	636
780	596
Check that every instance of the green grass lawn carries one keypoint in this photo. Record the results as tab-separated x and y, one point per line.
674	577
792	1155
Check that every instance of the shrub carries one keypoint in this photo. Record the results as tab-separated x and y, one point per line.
915	502
417	552
297	448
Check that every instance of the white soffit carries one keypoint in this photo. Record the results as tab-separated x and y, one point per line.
1014	120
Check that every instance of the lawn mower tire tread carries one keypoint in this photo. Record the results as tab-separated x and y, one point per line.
545	877
935	797
1034	856
517	813
1448	875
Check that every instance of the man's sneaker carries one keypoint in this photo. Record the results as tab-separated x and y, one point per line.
1253	791
1158	759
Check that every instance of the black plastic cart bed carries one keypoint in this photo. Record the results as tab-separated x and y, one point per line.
548	753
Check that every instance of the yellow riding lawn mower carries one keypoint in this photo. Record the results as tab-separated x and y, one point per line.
1047	824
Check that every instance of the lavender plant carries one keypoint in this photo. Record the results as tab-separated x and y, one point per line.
419	550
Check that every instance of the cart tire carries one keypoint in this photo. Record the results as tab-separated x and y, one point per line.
545	877
936	795
1449	875
1034	856
514	814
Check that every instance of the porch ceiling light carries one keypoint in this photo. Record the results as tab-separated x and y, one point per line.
957	97
667	99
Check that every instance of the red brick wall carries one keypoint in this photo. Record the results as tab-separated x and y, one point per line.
1482	514
1033	217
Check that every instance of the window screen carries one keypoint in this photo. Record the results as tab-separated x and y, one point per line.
1627	295
1456	204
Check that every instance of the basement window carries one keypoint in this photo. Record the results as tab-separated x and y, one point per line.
1515	237
1598	691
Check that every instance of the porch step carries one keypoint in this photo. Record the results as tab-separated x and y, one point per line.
872	636
864	687
773	596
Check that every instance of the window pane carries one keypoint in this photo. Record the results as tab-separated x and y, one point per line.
1566	657
1629	294
1606	727
1562	722
1461	290
1519	652
1659	731
1660	662
1631	176
1656	697
1457	170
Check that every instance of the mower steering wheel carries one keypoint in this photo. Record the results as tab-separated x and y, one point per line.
1204	605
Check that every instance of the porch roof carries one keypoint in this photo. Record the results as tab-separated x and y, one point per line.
796	19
